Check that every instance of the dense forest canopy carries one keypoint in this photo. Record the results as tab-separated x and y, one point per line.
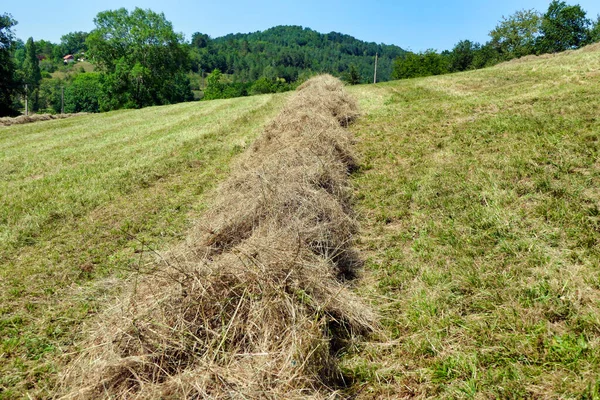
289	51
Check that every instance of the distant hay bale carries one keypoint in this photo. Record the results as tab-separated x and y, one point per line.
255	304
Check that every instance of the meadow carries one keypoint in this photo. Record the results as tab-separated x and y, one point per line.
84	199
480	210
477	195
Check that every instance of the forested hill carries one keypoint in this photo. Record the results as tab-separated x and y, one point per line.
288	52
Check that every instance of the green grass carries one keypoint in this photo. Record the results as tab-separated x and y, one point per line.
479	197
478	194
82	200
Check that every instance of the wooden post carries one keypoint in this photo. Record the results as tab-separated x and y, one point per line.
26	101
62	99
375	77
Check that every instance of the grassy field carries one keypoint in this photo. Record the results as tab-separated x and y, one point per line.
479	197
82	199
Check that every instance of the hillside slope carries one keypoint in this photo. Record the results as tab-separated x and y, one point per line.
480	209
85	199
480	202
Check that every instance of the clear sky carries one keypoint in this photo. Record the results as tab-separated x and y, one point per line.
413	25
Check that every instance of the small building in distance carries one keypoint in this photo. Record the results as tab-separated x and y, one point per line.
68	59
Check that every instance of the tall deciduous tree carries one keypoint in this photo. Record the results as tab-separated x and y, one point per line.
32	73
563	27
144	60
73	42
8	82
516	35
595	31
214	86
463	54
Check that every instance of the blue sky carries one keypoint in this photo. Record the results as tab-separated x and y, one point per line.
413	25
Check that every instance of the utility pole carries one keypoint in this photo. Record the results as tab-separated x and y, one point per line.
62	99
375	77
26	103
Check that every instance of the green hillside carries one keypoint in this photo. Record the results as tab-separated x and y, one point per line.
480	223
480	205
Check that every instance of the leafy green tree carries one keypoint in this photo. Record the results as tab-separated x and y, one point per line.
200	40
486	56
462	56
18	48
563	27
263	85
353	76
408	66
45	49
595	31
435	63
84	94
50	95
73	43
413	65
9	85
32	73
142	57
214	87
516	35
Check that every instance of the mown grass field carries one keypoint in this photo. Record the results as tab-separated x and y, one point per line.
479	197
82	200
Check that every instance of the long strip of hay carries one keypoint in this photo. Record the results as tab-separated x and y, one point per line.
26	119
255	305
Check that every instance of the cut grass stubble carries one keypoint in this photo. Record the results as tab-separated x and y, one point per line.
479	201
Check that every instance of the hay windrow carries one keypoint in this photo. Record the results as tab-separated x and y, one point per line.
255	305
26	119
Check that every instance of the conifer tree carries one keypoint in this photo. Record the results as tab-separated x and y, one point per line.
33	75
353	76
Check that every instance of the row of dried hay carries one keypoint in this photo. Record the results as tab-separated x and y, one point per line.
256	304
26	119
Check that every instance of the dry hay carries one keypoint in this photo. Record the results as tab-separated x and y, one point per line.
594	47
256	304
25	119
590	48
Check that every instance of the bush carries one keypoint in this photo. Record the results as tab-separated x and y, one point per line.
84	94
50	95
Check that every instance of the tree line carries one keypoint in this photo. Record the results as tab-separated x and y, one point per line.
526	32
138	60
